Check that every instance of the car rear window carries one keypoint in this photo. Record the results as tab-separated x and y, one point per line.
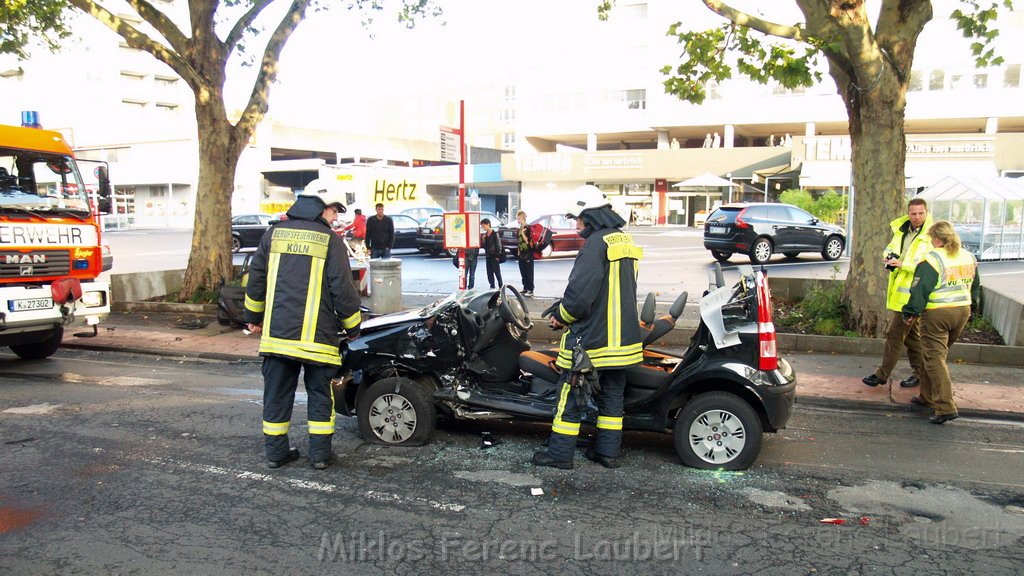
724	215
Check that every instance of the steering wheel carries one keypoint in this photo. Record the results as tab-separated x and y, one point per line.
513	310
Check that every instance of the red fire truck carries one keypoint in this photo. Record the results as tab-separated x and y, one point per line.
50	249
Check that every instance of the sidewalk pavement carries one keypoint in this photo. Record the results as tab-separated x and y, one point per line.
832	380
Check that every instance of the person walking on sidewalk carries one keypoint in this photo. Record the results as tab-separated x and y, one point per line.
494	253
299	297
943	293
525	253
380	234
599	309
909	244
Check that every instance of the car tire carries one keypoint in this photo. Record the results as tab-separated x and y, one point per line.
833	248
717	431
236	244
42	349
547	251
791	255
451	252
721	256
396	412
761	251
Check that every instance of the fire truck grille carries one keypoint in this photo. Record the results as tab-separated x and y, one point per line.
34	263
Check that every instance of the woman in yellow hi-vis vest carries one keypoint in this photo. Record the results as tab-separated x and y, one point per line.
943	292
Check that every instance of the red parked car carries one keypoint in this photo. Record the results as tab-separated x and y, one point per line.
564	238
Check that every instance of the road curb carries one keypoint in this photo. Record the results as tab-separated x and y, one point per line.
842	403
185	354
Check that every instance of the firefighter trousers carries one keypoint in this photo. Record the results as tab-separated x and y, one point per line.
280	378
566	425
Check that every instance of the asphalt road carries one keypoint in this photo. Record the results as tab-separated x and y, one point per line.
674	260
113	463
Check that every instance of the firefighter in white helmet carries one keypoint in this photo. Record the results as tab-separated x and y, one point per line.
603	336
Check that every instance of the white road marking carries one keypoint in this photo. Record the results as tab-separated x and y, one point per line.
306	484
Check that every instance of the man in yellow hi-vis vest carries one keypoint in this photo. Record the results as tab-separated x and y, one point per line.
300	297
905	251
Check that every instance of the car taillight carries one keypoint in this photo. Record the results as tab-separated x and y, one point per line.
437	230
740	223
769	356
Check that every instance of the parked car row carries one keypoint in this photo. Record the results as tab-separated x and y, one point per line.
430	239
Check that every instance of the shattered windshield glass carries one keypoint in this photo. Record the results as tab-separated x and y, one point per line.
40	183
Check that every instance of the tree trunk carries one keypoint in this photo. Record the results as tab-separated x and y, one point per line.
209	262
879	150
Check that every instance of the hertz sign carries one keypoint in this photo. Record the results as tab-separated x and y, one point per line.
404	191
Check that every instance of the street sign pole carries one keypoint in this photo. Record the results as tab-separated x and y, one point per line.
462	186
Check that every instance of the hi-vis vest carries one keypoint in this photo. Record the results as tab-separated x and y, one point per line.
898	291
956	274
600	303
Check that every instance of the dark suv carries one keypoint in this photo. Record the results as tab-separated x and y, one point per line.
760	230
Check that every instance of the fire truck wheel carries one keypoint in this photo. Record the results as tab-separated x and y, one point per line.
42	349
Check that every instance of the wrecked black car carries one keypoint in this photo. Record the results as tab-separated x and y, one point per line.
467	356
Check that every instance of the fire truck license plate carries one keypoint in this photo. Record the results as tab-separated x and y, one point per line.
32	304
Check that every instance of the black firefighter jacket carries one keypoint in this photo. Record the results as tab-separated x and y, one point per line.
300	288
599	305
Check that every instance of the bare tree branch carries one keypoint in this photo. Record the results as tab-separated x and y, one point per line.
763	26
140	41
167	28
235	36
259	98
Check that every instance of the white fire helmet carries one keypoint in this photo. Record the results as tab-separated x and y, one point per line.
326	191
585	198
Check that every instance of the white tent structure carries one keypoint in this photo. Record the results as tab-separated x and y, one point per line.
986	212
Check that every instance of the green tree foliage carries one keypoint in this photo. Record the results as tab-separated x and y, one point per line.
869	56
24	22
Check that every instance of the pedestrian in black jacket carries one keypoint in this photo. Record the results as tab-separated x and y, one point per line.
380	234
494	252
299	297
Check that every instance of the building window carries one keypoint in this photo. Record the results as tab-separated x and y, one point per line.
1011	77
713	90
165	81
981	80
937	80
510	93
507	116
916	81
508	140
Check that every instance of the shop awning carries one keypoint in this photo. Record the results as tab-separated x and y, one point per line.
921	174
782	170
825	175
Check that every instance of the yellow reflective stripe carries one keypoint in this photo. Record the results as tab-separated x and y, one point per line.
559	425
316	274
614	301
322	353
275	428
567	428
352	321
321	427
609	422
273	264
565	314
254	305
